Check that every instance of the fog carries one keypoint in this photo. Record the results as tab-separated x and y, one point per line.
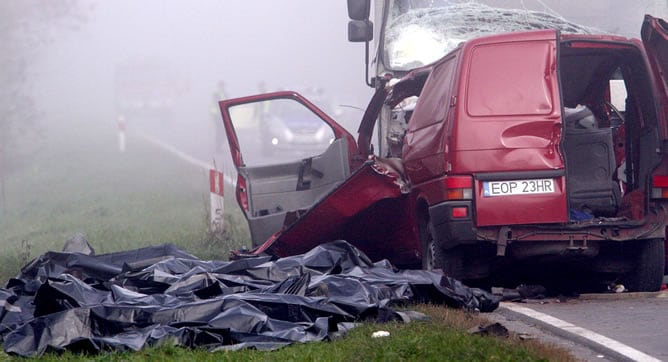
295	45
286	45
70	68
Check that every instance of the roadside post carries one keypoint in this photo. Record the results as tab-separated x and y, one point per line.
121	133
217	205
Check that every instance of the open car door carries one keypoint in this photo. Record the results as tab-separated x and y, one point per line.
288	155
297	191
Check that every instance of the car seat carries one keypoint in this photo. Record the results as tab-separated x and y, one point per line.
590	164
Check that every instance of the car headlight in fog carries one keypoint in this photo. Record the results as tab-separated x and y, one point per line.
274	141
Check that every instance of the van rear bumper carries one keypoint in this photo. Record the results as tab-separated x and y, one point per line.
454	231
449	230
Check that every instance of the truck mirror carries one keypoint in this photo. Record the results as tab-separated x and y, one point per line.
359	9
360	31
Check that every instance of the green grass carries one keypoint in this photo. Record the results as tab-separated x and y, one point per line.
443	337
142	197
147	197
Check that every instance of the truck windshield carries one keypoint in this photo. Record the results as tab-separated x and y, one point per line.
418	32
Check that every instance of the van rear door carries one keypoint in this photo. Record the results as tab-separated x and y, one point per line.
655	38
508	129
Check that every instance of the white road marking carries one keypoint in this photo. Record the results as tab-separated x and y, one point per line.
604	341
182	155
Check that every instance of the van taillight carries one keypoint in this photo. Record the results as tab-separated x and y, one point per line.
460	212
659	187
459	187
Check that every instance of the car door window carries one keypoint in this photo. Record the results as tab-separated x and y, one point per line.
279	130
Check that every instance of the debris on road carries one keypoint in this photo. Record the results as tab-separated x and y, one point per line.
493	329
522	293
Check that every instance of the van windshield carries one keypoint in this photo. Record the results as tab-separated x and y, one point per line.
418	32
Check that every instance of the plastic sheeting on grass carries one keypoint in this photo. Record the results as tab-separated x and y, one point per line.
155	295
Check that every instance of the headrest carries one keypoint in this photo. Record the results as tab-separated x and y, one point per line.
580	117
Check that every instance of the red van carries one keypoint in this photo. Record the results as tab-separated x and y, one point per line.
519	148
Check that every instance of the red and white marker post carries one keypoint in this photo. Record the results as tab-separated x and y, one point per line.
121	133
216	181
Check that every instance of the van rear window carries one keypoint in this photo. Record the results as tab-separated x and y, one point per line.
511	79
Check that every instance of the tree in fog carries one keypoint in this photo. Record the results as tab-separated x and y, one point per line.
25	27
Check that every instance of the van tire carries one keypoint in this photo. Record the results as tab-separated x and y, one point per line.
432	255
648	269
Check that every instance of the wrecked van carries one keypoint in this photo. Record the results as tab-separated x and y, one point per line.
525	148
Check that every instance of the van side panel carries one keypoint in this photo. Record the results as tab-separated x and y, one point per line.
508	130
425	151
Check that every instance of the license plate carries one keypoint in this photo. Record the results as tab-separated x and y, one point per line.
518	187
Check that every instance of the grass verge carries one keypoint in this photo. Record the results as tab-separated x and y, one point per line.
443	337
119	201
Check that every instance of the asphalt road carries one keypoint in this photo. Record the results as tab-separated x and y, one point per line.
626	326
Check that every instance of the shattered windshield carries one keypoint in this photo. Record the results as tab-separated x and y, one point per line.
418	32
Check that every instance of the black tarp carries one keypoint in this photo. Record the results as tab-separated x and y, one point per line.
145	297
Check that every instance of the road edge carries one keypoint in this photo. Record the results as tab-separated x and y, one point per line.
596	342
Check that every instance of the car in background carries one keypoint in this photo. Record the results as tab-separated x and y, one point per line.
289	129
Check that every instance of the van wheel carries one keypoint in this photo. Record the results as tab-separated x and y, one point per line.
647	273
432	256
